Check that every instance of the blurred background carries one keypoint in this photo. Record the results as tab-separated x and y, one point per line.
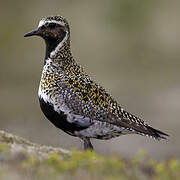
131	47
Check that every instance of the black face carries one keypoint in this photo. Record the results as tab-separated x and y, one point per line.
52	33
49	30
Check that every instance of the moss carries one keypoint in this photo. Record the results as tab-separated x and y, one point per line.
114	167
29	162
41	162
167	170
2	147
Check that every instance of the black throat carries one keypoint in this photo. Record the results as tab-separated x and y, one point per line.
52	43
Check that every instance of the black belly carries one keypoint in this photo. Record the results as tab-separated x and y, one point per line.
59	119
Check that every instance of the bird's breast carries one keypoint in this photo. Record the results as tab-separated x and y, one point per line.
59	119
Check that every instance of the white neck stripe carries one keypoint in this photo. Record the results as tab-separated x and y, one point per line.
59	45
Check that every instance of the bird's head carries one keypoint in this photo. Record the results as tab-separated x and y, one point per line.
53	29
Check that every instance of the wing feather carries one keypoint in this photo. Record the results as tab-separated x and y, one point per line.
90	100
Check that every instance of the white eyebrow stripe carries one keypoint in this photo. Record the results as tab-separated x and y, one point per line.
42	22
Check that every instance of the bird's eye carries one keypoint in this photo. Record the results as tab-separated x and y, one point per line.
51	25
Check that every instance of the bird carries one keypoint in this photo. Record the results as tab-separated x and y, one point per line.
72	100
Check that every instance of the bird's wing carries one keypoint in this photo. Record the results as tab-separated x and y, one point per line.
92	101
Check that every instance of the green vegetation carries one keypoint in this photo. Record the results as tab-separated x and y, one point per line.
26	160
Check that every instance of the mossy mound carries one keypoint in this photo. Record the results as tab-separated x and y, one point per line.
21	159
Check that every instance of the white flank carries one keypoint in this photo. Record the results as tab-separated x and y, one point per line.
46	97
41	94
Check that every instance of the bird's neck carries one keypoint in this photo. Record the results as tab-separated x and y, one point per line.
51	44
58	49
59	53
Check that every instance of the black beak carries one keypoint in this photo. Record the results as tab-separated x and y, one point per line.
32	33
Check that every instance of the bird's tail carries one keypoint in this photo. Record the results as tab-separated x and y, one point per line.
155	133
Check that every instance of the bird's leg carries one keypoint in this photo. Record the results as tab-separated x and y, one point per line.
87	144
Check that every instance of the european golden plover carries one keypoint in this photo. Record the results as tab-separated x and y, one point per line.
70	98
